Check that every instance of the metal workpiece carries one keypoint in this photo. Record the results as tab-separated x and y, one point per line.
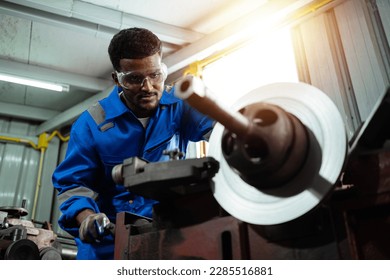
273	149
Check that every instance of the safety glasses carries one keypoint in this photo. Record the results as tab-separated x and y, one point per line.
136	79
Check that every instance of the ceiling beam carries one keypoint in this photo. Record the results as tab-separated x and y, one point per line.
29	112
101	21
69	115
44	74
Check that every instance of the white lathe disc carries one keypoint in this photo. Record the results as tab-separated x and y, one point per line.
326	157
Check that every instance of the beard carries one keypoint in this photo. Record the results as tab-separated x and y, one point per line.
143	104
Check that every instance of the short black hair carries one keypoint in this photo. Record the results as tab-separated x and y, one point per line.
133	43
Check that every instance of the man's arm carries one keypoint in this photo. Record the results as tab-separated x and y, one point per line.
74	179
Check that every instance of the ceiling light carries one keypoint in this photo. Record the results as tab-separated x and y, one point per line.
33	83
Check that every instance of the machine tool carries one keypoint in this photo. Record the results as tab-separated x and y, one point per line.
23	240
281	181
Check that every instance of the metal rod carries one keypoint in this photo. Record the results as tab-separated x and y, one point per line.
192	90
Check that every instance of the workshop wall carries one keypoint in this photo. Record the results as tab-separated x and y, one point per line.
383	9
22	182
344	52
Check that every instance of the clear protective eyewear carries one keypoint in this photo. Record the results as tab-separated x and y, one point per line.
135	78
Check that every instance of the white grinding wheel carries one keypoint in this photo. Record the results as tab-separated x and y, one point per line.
325	160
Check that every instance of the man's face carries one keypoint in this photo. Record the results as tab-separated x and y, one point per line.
142	86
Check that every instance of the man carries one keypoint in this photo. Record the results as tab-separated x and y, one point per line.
138	118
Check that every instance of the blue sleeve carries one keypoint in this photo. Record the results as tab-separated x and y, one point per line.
74	177
194	124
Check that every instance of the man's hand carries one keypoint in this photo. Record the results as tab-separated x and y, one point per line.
92	228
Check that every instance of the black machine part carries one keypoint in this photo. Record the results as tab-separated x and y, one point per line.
23	249
166	180
375	131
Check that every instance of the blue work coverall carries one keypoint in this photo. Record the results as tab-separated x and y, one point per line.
103	137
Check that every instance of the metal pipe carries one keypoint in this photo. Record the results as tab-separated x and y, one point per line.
43	143
68	253
59	135
38	182
18	140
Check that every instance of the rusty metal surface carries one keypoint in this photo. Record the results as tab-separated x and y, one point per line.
353	223
226	238
368	232
18	235
217	239
40	236
364	205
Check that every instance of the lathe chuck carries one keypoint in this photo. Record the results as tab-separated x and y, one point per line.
326	154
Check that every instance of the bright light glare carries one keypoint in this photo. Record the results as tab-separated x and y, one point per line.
33	83
269	59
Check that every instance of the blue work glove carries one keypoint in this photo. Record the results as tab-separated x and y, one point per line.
92	228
